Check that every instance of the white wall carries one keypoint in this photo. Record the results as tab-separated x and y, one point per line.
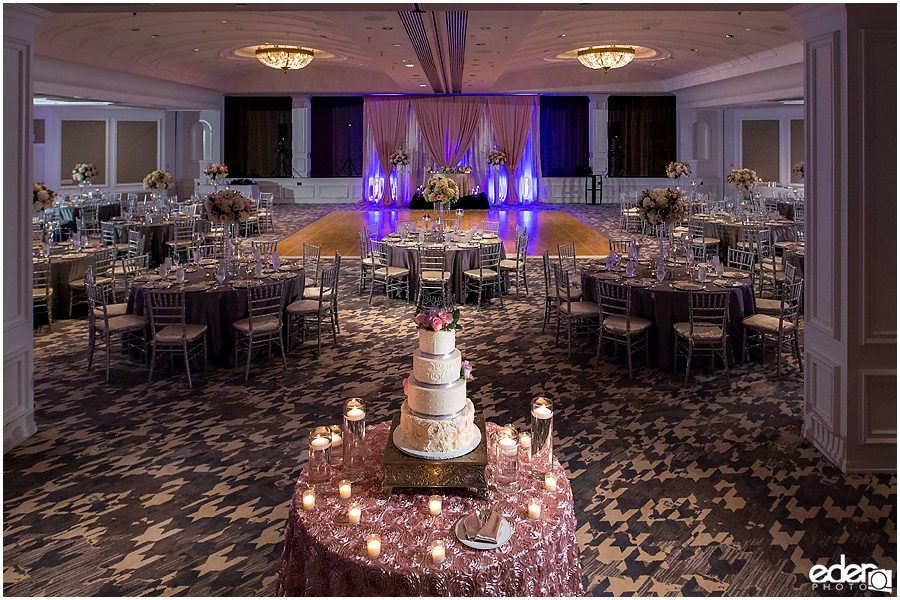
733	124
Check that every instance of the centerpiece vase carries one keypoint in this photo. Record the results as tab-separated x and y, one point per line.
402	184
495	181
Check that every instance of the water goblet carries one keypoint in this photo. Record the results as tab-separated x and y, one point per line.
661	271
179	276
629	268
701	273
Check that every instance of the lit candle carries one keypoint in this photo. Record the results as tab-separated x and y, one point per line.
542	412
344	489
550	482
354	513
309	500
507	445
319	443
534	509
434	505
373	545
355	414
525	440
336	439
437	552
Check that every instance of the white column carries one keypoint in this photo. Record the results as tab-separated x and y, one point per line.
851	273
598	122
20	21
300	142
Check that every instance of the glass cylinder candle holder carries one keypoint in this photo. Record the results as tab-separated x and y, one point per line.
337	445
354	441
534	509
493	457
344	489
438	552
319	464
373	545
354	513
309	499
525	450
508	460
434	505
550	482
541	437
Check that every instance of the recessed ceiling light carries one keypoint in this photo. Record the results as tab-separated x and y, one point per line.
422	85
485	28
728	35
694	50
479	44
403	60
563	35
396	45
155	35
748	29
409	65
224	21
387	28
137	29
196	49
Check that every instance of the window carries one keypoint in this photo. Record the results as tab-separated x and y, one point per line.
760	149
83	142
136	150
564	135
336	136
641	135
258	136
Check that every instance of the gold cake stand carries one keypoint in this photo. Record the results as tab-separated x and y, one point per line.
468	471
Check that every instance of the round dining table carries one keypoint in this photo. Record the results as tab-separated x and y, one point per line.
461	256
67	265
70	211
666	303
158	233
325	555
216	306
795	254
730	232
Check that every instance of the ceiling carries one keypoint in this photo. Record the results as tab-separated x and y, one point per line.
421	48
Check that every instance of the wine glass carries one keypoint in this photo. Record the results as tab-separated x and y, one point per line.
661	271
179	275
220	273
701	273
629	268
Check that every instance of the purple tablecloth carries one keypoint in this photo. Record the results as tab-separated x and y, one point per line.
157	236
326	556
66	267
215	308
459	260
729	234
664	306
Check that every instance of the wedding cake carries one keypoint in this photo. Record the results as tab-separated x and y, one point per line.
437	417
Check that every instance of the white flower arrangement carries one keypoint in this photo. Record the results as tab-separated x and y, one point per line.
799	169
496	158
742	179
84	172
157	180
441	189
215	171
399	157
227	207
662	205
676	170
43	197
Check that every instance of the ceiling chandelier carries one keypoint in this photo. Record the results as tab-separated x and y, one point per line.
606	57
284	57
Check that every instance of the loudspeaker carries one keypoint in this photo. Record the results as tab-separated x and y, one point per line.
284	132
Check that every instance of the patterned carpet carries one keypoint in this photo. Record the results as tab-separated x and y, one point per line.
130	489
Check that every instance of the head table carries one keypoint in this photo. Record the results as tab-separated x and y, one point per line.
324	555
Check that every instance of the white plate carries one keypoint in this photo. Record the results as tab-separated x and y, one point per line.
728	283
195	287
473	443
685	286
735	275
505	534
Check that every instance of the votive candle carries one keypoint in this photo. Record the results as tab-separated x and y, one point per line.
373	545
525	440
438	553
309	500
550	482
434	505
354	513
534	509
344	489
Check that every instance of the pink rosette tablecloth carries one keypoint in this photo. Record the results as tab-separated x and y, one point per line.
326	556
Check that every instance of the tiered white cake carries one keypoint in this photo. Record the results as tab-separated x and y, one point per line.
436	416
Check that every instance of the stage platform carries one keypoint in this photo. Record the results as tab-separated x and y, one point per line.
338	231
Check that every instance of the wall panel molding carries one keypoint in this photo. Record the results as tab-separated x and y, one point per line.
878	392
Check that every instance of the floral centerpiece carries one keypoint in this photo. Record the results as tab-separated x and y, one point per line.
215	171
496	158
742	179
799	170
676	170
157	180
441	189
227	207
449	170
43	197
662	206
83	174
400	158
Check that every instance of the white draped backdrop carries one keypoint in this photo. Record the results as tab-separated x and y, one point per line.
508	123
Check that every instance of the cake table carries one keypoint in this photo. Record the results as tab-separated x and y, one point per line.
326	556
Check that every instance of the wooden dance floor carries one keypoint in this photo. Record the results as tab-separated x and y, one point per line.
338	231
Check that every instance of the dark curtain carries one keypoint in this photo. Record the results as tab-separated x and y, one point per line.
257	136
641	135
336	136
565	141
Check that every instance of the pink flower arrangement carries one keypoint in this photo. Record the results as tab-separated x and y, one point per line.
674	170
157	180
437	320
496	158
84	172
441	189
215	171
742	179
662	206
227	207
43	197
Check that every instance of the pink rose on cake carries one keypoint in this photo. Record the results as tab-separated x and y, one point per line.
406	386
437	320
465	371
